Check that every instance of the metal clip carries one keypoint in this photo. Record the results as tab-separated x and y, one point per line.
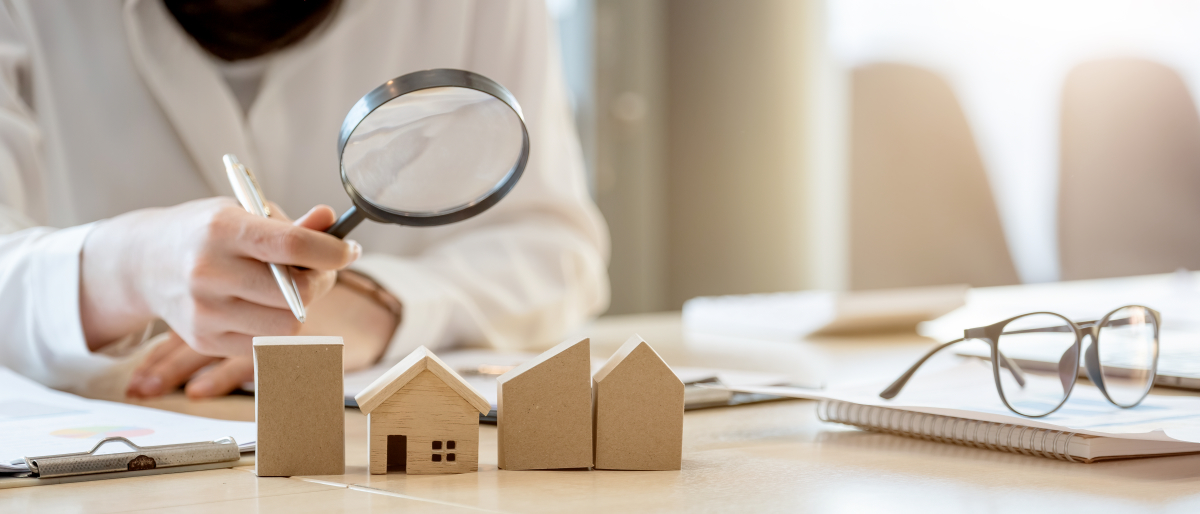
224	449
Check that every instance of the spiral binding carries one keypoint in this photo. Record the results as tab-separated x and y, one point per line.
1036	442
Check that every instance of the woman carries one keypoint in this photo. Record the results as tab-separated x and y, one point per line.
115	210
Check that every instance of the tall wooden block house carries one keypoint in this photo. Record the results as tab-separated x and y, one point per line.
299	406
544	411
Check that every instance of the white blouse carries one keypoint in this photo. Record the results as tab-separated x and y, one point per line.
107	107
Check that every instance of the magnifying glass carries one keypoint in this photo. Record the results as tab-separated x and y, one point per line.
430	148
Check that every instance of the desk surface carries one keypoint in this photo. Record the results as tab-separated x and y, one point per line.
766	457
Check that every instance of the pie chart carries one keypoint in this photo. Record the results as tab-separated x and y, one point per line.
101	432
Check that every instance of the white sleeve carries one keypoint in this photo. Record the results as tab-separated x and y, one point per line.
534	267
40	333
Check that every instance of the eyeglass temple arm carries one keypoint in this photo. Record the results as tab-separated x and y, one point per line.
1017	373
896	386
894	389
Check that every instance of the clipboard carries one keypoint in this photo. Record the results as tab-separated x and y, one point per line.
140	461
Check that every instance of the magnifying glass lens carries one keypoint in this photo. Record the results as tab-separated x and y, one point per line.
433	151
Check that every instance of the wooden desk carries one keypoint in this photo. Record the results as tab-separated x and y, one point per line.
768	457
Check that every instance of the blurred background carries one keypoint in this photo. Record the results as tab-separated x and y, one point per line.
779	145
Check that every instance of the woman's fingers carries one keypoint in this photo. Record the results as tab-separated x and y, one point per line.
270	240
318	218
173	363
219	322
160	351
222	378
253	281
140	375
277	212
174	368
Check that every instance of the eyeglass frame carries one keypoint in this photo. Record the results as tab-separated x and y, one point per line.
991	334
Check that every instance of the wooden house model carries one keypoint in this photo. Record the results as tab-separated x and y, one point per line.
544	410
638	411
422	418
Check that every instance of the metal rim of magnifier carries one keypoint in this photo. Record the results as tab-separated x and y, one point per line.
403	85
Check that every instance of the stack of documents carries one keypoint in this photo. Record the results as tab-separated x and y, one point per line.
480	368
796	314
37	421
960	405
1175	295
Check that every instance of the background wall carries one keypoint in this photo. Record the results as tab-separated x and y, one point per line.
1007	62
704	148
722	141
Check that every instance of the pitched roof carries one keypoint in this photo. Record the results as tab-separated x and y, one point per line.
404	371
545	356
636	347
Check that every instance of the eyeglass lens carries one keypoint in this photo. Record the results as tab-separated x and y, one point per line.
1127	345
1031	335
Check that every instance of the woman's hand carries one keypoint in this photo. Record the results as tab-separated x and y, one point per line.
200	266
364	325
173	362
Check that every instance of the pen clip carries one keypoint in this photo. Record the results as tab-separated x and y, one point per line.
258	194
245	186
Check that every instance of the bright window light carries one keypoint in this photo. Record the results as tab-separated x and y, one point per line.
1006	61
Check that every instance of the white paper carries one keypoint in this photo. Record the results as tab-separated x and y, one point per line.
470	363
37	421
774	315
1178	355
1175	295
968	391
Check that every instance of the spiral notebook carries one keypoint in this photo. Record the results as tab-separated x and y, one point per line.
960	406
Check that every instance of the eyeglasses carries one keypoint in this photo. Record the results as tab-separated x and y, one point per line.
1122	359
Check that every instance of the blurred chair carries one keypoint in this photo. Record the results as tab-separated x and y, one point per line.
1129	191
921	209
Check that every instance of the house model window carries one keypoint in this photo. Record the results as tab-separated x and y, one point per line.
440	455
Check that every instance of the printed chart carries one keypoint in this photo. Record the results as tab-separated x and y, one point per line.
36	421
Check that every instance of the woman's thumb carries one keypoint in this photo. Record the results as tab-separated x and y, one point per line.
318	218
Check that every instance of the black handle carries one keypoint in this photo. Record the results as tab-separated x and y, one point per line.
350	219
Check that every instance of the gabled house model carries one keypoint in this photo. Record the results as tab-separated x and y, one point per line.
638	411
422	418
544	410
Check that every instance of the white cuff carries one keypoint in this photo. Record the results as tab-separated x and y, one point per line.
428	303
54	296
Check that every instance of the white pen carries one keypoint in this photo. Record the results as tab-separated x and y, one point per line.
251	197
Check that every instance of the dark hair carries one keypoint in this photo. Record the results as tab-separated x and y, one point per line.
242	29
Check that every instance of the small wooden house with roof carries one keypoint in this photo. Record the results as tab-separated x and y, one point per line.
422	418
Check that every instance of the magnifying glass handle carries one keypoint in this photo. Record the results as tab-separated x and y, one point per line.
350	219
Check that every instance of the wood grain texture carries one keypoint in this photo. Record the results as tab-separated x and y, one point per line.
424	411
638	411
544	411
419	360
299	407
383	387
770	457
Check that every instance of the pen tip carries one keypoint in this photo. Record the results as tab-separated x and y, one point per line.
301	318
